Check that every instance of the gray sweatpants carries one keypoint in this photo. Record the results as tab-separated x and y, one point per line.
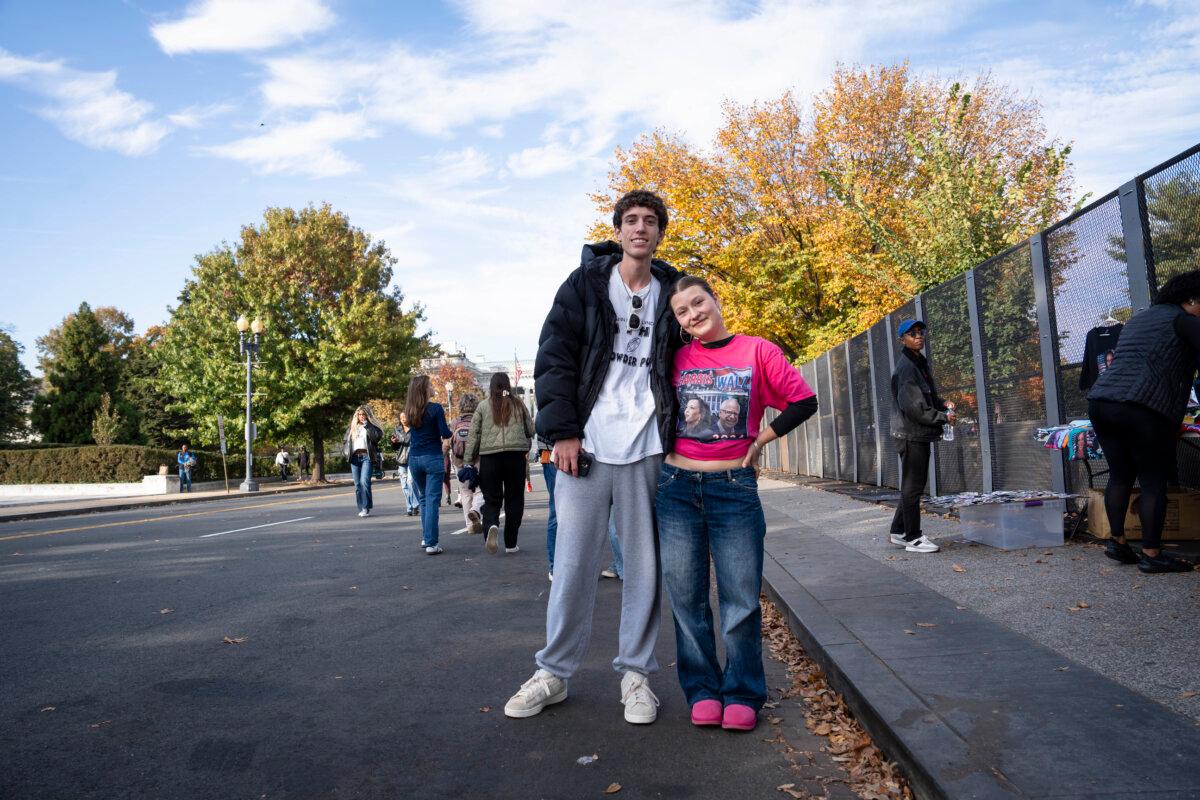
582	506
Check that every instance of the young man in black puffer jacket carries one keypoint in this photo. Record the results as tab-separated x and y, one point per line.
606	402
918	415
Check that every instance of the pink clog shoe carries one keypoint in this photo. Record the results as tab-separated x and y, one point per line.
706	712
739	718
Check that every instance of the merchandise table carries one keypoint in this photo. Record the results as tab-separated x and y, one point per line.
1078	438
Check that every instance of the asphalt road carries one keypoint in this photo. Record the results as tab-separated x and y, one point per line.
365	668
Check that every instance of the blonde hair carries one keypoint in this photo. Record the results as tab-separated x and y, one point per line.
370	418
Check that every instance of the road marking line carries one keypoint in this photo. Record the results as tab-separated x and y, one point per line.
145	520
256	527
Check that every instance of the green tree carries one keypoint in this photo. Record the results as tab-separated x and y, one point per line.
117	324
160	416
17	388
336	333
107	423
83	369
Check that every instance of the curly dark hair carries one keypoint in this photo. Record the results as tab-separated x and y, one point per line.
1180	289
645	199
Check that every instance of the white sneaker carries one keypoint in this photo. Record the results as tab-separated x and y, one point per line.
608	572
512	549
921	545
550	576
542	690
434	550
493	533
897	539
476	520
366	512
641	706
362	513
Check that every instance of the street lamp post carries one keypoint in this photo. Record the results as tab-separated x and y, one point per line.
450	398
249	348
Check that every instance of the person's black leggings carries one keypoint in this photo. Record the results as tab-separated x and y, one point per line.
914	463
1139	444
502	479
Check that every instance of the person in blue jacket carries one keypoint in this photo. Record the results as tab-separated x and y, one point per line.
430	438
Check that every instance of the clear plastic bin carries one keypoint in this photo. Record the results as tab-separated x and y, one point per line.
1012	526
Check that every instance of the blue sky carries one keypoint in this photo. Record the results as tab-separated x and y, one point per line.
135	135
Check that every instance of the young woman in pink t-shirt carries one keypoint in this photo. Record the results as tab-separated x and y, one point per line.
707	502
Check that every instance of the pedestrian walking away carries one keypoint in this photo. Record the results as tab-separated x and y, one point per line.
708	506
549	473
302	462
360	447
186	461
426	453
500	436
1137	407
401	439
470	496
282	459
918	418
602	379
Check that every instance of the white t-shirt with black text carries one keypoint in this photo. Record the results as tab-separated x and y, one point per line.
623	426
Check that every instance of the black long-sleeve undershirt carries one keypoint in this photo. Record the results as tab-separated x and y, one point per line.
791	417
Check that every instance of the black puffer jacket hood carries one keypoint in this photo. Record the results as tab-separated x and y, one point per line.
575	347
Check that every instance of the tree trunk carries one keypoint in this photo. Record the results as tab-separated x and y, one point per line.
318	470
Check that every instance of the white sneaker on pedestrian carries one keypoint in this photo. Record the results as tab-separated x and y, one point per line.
543	689
491	545
434	550
514	549
921	545
366	512
362	513
550	576
641	706
476	520
608	572
897	539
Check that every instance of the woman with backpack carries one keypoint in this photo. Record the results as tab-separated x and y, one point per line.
470	497
501	434
428	432
359	446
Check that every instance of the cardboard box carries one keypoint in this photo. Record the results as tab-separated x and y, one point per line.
1183	515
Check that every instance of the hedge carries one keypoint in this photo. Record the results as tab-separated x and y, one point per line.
116	463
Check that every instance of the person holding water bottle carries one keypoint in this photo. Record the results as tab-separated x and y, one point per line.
919	418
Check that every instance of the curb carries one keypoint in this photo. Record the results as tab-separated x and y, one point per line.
146	502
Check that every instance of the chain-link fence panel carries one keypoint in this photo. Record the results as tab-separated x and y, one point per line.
881	380
841	412
1016	398
951	359
1089	295
1173	217
812	428
829	462
863	411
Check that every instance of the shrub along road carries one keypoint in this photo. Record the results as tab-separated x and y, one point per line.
283	647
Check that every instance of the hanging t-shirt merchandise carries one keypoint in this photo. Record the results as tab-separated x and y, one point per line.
623	426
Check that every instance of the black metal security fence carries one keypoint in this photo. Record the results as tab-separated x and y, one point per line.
1006	344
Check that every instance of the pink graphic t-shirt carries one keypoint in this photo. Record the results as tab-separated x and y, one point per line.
722	393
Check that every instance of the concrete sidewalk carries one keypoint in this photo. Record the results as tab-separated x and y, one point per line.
44	509
969	666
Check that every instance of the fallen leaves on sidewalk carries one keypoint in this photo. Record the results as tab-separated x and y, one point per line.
165	610
791	790
1188	695
484	709
1079	606
869	774
234	640
926	624
959	568
613	788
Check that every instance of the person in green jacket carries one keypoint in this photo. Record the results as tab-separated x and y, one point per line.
501	435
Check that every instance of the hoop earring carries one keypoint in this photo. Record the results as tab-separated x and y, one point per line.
682	334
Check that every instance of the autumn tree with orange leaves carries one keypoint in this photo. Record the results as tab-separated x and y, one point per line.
811	225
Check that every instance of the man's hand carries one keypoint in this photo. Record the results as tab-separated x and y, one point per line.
566	456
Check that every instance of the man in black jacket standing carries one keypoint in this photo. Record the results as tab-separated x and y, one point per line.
606	403
918	415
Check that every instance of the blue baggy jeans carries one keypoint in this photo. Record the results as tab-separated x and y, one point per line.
427	475
360	472
717	514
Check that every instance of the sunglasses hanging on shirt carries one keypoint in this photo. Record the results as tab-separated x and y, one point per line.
635	321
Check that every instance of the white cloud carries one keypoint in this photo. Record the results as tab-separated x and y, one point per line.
195	116
241	25
87	107
302	148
